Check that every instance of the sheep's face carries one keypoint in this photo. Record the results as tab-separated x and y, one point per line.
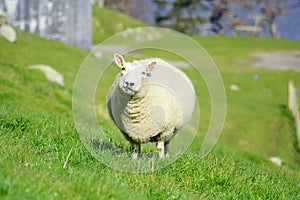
132	77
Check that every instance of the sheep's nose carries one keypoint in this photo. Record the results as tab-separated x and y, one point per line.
128	85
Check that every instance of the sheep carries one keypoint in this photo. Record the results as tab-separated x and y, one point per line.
150	101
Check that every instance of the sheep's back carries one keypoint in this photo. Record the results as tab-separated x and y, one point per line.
176	81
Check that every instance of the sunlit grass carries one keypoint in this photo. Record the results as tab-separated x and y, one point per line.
37	130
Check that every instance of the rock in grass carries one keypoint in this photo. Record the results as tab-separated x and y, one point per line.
277	161
8	33
51	74
234	87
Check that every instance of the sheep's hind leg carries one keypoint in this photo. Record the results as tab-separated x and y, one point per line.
167	148
160	148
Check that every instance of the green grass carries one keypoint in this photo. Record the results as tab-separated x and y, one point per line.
37	130
257	118
107	23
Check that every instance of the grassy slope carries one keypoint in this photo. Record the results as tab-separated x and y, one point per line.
107	23
37	132
257	117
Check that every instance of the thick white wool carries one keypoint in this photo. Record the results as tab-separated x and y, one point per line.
163	105
157	114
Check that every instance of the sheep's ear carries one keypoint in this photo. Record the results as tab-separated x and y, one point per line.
150	67
119	60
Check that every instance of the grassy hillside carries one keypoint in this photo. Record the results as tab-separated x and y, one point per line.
257	117
107	23
37	130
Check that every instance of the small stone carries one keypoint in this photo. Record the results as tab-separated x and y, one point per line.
276	160
50	73
234	87
256	77
8	33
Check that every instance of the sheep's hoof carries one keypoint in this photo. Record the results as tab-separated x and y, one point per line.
136	156
161	154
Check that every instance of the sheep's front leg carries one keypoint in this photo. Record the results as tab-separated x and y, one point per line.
160	146
138	151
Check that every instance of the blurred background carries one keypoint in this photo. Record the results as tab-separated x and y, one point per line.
276	18
70	21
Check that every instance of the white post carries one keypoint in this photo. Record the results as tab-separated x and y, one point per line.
294	107
295	102
291	95
297	120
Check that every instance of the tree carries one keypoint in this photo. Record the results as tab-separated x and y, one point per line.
162	12
182	15
135	8
188	15
270	9
265	17
220	8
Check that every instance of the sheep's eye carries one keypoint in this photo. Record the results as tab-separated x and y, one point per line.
143	73
148	74
123	68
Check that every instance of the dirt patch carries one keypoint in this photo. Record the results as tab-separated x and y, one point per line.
279	60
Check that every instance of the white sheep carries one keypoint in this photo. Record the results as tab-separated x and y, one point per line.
149	101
